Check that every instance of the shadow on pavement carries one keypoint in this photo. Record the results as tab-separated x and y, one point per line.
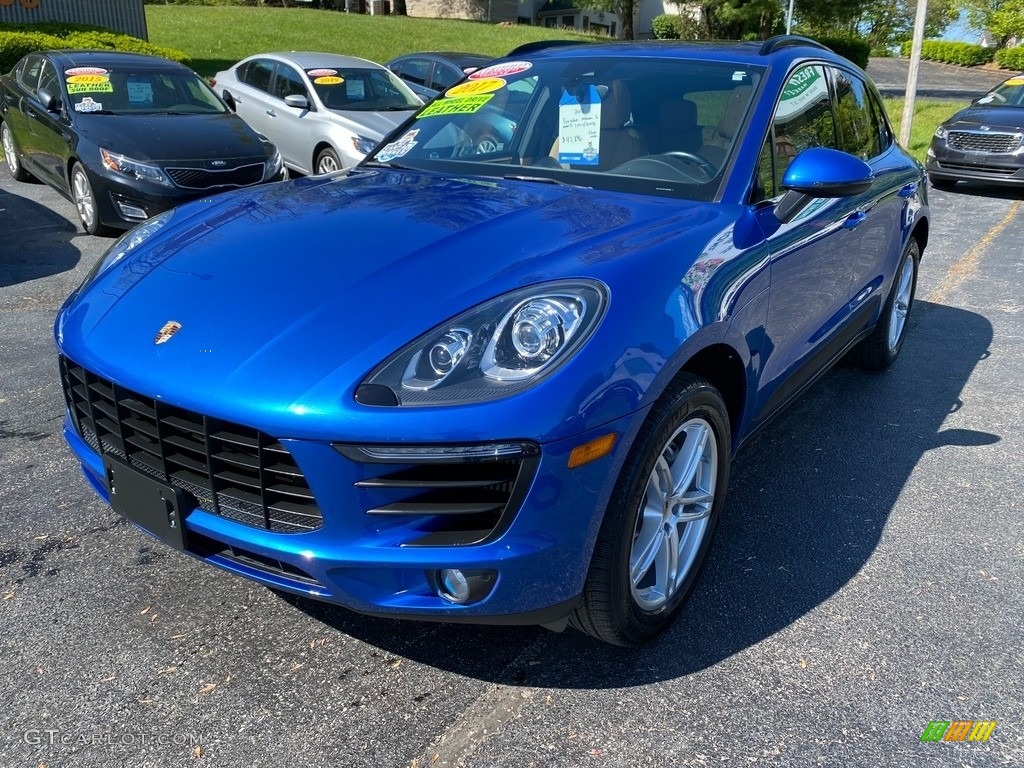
807	505
36	242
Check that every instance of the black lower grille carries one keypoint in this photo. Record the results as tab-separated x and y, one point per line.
978	141
233	471
979	168
450	498
201	178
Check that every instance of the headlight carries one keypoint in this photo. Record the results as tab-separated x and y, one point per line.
363	145
127	243
502	346
941	132
273	165
133	168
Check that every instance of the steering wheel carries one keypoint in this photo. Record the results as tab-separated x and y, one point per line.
699	161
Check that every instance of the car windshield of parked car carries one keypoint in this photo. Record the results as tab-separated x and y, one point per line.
108	91
652	126
361	90
1007	94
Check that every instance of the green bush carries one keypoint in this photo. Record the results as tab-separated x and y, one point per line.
666	26
17	40
1011	58
948	52
855	49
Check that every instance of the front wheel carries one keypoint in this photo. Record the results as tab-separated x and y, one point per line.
13	160
880	350
327	161
85	201
661	518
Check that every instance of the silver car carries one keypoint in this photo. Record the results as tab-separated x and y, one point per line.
323	111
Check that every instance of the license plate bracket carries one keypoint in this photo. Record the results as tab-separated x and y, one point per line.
152	505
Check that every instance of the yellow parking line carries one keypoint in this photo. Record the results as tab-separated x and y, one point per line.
966	266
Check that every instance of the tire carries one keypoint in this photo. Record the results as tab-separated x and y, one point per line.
941	183
11	157
327	161
632	592
85	202
880	350
487	143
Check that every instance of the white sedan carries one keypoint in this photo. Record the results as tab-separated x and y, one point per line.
323	111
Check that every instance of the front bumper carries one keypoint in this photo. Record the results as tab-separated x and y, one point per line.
382	564
122	202
944	162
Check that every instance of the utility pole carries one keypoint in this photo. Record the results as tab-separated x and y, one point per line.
915	65
789	19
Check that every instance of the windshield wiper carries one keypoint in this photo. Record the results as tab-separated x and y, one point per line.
542	180
380	164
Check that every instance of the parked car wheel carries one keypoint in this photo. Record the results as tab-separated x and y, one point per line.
85	201
661	519
487	143
327	161
942	183
13	160
880	350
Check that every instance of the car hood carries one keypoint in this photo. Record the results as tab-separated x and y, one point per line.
997	118
314	283
372	125
163	138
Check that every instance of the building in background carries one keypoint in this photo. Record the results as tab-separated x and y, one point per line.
127	16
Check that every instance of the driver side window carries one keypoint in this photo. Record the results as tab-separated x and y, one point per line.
803	119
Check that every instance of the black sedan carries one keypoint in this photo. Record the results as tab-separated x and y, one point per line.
429	73
125	136
982	142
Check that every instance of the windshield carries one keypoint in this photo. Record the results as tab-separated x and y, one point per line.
139	92
1008	94
362	90
652	126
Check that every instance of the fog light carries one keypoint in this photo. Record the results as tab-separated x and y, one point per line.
460	587
131	211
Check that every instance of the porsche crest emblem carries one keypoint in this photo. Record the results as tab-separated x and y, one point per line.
170	328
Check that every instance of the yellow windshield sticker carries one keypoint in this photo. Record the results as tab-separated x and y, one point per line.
466	105
74	88
476	87
329	80
94	79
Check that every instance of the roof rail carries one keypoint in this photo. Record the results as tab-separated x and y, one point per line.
541	45
781	41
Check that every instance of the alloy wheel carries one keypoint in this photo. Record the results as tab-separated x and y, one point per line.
901	304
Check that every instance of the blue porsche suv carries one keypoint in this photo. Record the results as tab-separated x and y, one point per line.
503	384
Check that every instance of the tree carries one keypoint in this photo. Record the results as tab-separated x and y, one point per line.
624	8
1007	22
739	19
887	23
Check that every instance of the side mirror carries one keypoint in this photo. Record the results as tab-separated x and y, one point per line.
297	101
819	172
49	100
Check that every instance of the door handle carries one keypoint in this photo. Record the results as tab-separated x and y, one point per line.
271	113
908	190
854	219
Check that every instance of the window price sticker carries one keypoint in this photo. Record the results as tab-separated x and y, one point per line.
579	128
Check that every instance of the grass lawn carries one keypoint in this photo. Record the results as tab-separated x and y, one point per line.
218	36
928	113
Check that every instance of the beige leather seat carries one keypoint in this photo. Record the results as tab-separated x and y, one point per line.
718	144
619	142
677	128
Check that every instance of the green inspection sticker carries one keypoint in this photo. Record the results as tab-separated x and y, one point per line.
464	105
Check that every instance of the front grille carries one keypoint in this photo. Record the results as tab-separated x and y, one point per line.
233	471
983	141
202	178
446	499
978	168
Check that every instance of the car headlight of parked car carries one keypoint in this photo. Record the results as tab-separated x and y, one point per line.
128	242
133	169
273	165
363	145
500	347
941	132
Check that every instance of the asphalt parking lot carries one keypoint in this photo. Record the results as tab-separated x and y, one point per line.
868	578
